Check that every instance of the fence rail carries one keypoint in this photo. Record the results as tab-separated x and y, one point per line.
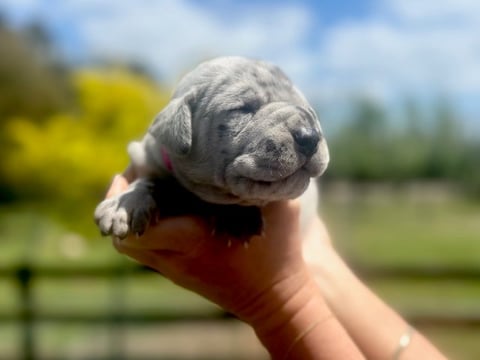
419	272
27	315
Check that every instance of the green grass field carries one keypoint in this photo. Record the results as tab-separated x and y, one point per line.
372	229
401	227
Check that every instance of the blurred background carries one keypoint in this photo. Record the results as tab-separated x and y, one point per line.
396	84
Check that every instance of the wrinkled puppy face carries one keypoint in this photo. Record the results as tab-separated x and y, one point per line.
254	138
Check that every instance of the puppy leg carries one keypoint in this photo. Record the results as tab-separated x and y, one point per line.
241	222
132	211
129	212
235	221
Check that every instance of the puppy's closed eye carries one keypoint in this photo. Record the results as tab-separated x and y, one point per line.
246	108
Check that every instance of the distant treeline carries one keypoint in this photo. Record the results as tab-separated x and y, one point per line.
63	131
378	145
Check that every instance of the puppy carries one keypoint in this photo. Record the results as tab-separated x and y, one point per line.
236	135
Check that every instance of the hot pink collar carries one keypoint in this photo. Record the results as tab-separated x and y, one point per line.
166	159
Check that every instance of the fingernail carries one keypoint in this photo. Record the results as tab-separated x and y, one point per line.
117	182
115	179
115	186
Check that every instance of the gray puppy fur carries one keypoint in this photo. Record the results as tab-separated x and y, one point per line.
236	132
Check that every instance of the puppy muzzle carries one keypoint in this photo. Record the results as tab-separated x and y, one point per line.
281	162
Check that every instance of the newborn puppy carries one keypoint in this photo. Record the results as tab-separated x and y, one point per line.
235	136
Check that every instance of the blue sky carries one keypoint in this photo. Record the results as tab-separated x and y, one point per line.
383	49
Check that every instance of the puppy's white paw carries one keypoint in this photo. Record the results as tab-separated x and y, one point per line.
111	218
126	213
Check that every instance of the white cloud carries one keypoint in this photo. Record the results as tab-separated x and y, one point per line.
19	10
19	4
437	11
402	46
171	36
407	47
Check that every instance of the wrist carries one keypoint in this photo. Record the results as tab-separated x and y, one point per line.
331	273
286	313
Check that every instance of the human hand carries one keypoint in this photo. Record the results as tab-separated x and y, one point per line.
251	282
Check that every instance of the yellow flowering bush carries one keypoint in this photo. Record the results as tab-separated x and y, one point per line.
73	155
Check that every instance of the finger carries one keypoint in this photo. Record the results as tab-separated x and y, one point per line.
119	184
321	229
282	216
144	257
164	262
182	234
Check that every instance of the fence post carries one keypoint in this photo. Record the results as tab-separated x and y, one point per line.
24	277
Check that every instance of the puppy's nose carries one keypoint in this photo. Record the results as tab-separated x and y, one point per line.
307	140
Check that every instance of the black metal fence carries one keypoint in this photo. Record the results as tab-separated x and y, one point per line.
24	275
27	316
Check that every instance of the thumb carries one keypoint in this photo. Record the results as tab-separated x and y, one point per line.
183	234
118	185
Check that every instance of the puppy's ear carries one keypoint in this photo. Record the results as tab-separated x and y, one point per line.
172	127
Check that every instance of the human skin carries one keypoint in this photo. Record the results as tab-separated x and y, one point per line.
374	326
267	284
292	287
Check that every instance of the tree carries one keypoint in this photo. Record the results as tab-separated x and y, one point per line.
70	157
360	150
30	83
446	144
